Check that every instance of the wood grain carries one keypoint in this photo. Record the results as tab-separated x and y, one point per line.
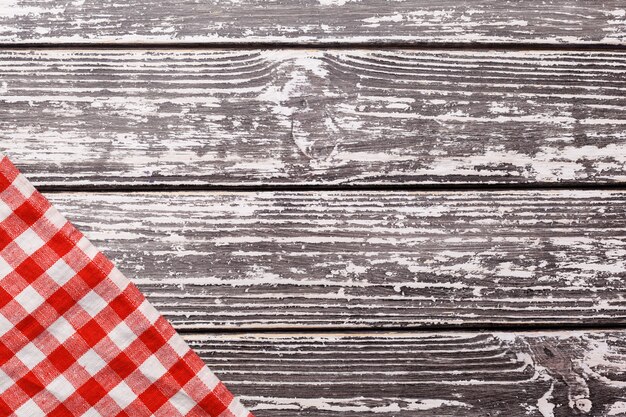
549	374
230	118
366	259
313	21
131	119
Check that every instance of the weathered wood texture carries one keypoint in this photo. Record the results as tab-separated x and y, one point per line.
414	374
131	118
313	21
106	118
359	259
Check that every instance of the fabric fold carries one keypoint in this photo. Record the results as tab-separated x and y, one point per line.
77	338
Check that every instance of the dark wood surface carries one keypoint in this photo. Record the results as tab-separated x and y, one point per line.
478	267
366	259
312	21
237	118
560	374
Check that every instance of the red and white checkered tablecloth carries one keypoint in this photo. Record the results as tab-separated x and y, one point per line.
77	338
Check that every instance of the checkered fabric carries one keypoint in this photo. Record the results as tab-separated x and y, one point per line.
77	338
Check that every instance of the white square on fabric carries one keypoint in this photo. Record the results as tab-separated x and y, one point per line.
92	362
61	272
23	186
122	335
29	241
92	303
179	345
150	313
29	409
122	395
5	268
61	329
118	279
209	379
55	218
87	247
182	402
30	355
152	368
92	412
6	382
61	388
5	211
29	299
5	325
236	408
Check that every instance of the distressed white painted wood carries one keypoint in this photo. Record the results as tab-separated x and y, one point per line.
86	119
542	374
366	259
313	21
81	119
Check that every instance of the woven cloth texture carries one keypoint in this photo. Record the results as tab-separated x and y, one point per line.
77	338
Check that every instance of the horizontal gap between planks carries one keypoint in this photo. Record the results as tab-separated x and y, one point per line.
333	187
344	45
478	328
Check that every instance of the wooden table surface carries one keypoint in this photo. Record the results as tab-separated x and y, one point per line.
348	207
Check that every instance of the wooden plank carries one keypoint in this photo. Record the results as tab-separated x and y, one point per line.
232	118
547	374
314	21
361	259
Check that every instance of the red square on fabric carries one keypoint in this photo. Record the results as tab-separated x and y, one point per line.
122	306
60	411
5	410
122	365
60	243
5	297
61	358
4	182
29	270
92	274
181	372
30	327
30	384
216	402
152	339
91	333
5	354
28	212
61	301
153	398
5	239
92	391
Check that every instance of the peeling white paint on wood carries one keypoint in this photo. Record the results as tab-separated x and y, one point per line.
313	21
86	118
83	118
422	374
366	258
